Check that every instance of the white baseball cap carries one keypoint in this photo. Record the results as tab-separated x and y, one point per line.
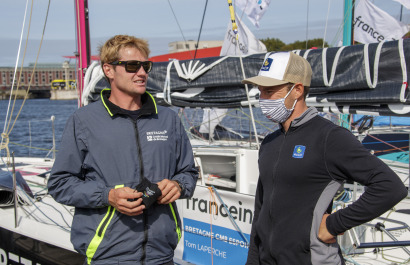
281	68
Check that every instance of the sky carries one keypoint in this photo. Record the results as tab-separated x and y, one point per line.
154	20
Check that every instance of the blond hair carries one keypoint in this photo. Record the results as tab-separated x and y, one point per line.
109	52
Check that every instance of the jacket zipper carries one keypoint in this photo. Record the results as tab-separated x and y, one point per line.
144	243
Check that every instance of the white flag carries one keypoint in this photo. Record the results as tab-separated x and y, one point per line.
371	24
405	3
210	119
254	9
248	44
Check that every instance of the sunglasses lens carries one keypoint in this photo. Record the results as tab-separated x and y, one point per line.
147	66
132	67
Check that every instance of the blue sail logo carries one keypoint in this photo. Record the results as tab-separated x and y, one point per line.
266	65
299	151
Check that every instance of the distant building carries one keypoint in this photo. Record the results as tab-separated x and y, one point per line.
44	74
180	46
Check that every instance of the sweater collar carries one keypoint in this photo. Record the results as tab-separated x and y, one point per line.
148	104
306	116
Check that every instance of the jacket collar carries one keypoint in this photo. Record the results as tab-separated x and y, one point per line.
148	104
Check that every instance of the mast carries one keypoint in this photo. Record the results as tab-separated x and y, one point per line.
348	23
83	44
344	119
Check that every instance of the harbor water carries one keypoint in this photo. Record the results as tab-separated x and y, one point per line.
32	133
35	131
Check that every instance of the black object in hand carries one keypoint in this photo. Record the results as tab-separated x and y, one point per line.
150	192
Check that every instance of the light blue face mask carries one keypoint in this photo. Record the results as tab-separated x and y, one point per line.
275	109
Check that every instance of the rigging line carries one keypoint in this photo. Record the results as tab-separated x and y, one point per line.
388	150
4	135
192	126
307	23
243	10
259	122
339	30
180	29
342	25
79	57
336	36
200	30
38	208
395	147
34	67
31	147
7	131
213	202
29	214
58	211
230	215
327	19
249	104
15	68
243	13
44	214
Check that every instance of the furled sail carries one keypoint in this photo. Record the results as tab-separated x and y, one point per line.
358	79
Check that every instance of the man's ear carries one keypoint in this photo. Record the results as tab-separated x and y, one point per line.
108	70
299	90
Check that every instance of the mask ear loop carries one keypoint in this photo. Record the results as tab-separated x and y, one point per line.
289	91
293	107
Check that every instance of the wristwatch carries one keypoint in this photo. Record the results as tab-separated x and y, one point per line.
181	186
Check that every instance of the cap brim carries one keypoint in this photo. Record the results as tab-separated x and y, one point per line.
263	81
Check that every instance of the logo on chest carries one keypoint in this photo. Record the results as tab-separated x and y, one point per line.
299	151
157	136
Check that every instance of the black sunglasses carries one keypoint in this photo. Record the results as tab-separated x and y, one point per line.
134	66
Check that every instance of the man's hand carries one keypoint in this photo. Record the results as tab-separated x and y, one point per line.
170	191
118	198
324	234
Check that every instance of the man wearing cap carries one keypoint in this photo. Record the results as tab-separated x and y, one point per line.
302	165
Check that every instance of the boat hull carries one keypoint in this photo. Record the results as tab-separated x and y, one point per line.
19	249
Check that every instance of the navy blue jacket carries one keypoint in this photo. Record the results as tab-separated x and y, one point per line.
102	149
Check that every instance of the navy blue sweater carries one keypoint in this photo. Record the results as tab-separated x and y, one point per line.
300	172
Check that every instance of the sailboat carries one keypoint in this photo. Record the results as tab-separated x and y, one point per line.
217	219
